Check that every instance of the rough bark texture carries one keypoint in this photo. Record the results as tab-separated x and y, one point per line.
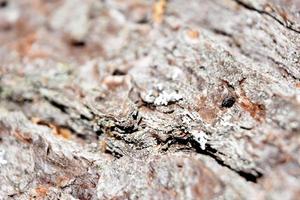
176	99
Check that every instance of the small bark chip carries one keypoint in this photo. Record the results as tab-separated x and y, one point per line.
228	102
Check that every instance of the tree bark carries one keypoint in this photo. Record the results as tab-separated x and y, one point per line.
157	99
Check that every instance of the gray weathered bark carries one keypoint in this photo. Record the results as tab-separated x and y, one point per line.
158	99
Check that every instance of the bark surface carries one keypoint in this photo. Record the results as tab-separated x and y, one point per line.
176	99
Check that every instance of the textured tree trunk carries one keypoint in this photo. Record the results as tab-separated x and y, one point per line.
176	99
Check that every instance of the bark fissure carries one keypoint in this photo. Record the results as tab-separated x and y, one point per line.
251	8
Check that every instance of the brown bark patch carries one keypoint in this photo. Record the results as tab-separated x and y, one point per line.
41	192
56	130
159	9
22	137
257	111
207	111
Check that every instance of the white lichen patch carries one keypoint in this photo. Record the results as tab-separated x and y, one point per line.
164	98
200	137
161	97
3	161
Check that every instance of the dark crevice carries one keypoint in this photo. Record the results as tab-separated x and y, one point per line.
124	129
173	140
78	44
252	176
57	105
3	4
19	99
283	69
82	136
249	7
114	154
228	102
118	72
221	32
83	117
48	150
246	128
211	152
64	108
